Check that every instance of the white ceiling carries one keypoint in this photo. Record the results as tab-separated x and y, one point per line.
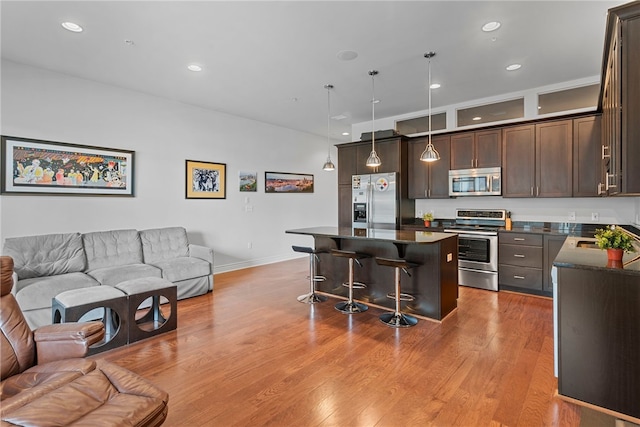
269	61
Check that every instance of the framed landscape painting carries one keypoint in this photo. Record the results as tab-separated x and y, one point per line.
206	180
31	166
284	182
248	181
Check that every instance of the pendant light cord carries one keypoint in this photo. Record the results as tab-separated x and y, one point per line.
430	102
373	110
329	87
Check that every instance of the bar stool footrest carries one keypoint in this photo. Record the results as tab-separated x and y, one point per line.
403	297
317	278
356	285
398	320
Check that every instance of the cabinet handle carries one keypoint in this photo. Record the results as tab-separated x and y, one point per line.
519	277
518	255
600	189
519	239
537	191
605	156
426	193
607	184
531	191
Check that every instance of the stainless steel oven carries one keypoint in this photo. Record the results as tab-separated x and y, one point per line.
478	247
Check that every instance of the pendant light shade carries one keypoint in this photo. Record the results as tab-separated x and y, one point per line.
373	160
328	165
430	154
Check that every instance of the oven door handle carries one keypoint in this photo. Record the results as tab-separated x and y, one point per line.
478	271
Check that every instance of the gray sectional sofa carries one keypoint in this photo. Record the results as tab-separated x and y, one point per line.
47	265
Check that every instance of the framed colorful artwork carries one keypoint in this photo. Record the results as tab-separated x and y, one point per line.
32	166
284	182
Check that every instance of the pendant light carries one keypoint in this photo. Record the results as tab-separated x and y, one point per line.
328	166
430	154
373	160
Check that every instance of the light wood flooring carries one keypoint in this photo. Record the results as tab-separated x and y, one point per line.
249	354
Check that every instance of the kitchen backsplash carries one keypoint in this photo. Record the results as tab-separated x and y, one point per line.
609	210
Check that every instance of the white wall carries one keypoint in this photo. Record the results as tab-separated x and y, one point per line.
40	104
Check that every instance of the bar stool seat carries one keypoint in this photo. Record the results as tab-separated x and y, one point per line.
398	319
350	306
312	297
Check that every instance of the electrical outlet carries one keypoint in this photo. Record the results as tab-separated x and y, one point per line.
595	216
249	245
572	216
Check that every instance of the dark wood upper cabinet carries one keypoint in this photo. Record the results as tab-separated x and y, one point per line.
429	180
587	147
476	149
620	101
554	159
537	160
518	161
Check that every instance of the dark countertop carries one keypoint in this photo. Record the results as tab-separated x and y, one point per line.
573	256
557	228
395	236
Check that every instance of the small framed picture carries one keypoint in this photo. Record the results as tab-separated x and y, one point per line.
248	181
206	180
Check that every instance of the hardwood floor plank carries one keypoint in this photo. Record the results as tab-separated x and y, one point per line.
249	354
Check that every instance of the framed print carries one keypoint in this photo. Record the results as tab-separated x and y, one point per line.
31	167
206	180
248	181
284	182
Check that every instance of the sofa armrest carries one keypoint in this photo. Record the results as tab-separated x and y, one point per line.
66	340
201	252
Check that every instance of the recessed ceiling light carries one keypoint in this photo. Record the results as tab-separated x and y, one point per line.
194	67
339	117
347	55
513	67
345	133
129	42
476	118
435	85
71	26
491	26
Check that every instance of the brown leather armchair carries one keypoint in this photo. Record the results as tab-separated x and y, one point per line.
46	382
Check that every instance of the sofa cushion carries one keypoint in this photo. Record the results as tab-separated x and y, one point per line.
46	255
112	248
111	276
39	292
160	244
183	268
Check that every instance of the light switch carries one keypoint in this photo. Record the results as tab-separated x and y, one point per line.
449	257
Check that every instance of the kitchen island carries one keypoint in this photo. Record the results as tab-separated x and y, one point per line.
433	283
597	321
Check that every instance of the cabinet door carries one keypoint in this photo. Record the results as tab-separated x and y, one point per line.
439	170
344	206
418	170
346	164
463	151
362	153
488	149
554	159
389	151
518	161
587	154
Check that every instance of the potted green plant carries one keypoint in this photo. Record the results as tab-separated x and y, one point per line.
428	217
615	241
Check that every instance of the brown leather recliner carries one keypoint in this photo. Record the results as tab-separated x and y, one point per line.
46	382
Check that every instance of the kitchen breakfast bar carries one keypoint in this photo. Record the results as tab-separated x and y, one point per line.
433	282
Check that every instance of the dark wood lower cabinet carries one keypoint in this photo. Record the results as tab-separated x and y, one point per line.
599	338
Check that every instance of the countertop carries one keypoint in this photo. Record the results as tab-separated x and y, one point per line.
396	236
573	256
555	228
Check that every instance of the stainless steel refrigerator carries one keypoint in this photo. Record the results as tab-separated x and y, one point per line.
378	201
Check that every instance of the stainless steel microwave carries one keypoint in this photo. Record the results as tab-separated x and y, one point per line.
475	182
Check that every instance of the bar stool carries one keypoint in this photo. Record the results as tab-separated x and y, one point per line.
312	297
398	319
351	306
